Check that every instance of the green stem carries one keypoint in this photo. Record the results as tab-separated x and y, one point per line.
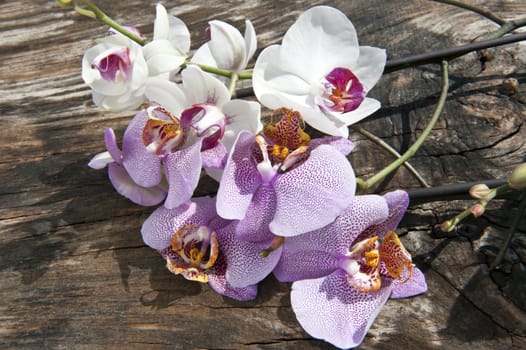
420	140
101	16
391	150
485	13
450	224
506	28
232	86
513	227
218	71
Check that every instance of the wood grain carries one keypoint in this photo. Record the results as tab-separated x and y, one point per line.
76	274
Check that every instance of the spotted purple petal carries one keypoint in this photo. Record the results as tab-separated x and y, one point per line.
240	180
414	286
144	167
244	265
313	194
159	227
329	309
183	169
125	186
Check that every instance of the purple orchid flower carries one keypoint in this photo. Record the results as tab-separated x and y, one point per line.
283	184
342	274
157	145
119	177
202	247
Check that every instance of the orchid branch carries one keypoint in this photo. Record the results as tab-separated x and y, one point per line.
505	26
513	228
420	140
392	151
232	85
485	13
449	53
476	209
101	16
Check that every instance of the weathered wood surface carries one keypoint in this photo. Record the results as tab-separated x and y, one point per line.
75	274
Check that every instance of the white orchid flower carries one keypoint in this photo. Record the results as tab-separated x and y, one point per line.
321	71
118	70
227	48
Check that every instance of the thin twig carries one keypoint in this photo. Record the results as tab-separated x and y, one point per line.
420	140
449	53
485	13
513	227
392	151
449	191
104	18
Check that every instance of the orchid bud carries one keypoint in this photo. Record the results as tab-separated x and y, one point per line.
447	226
517	179
479	191
67	4
477	210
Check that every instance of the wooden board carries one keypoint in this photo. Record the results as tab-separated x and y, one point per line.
75	273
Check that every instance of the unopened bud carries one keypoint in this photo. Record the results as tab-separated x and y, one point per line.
479	191
67	4
447	226
517	179
477	210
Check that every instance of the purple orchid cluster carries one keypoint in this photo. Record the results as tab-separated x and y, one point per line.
286	202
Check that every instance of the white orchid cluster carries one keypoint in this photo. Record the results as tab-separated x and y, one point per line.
319	70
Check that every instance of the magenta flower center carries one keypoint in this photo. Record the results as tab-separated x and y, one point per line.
207	121
342	91
115	66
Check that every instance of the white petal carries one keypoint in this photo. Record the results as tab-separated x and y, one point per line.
370	66
250	41
227	46
241	115
166	93
203	55
161	25
128	101
368	107
162	57
321	39
100	160
273	87
179	35
201	87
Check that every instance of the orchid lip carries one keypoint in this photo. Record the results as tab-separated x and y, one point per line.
114	65
207	121
342	91
368	260
195	249
162	136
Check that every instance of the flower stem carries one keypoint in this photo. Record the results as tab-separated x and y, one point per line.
449	225
222	72
449	53
101	16
420	140
232	86
513	228
392	151
485	13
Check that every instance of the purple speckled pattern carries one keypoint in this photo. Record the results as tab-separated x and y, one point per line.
325	303
316	253
238	268
326	176
144	167
327	308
